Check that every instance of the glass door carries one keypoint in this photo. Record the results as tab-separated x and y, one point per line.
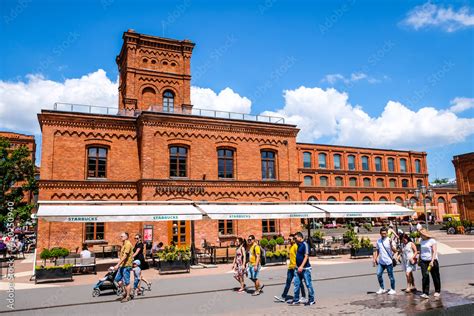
179	233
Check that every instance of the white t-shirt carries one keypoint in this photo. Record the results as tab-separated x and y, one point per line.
385	251
85	254
426	252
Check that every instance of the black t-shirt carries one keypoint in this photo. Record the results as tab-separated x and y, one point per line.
140	255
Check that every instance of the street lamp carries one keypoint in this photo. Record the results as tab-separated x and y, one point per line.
424	192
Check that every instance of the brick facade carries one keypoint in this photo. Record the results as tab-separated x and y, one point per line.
464	165
138	142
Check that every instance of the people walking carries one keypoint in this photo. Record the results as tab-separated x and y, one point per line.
240	260
290	275
383	259
303	272
124	266
254	264
409	257
429	264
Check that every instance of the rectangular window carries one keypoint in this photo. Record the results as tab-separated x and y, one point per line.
178	161
226	227
97	162
337	162
322	160
403	165
268	226
365	163
268	165
417	166
306	160
378	164
351	162
94	231
391	165
225	163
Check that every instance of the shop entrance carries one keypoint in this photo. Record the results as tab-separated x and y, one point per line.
179	233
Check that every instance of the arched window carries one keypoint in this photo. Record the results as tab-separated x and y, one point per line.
353	182
366	182
148	96
178	161
399	200
403	165
323	181
351	164
365	163
337	161
454	201
168	101
391	164
349	199
308	181
339	182
268	165
417	166
306	160
312	198
378	164
383	199
441	200
332	199
225	163
366	199
97	162
419	183
392	183
322	160
404	183
413	201
380	183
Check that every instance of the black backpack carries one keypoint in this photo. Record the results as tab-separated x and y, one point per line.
262	254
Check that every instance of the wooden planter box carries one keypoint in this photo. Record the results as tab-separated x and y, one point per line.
53	274
174	266
275	260
362	252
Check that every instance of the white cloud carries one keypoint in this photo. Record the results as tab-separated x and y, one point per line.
327	113
354	77
446	18
461	104
226	100
21	101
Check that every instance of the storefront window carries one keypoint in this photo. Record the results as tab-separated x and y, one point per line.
94	231
268	226
226	227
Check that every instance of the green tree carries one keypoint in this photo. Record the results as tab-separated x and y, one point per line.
441	181
17	178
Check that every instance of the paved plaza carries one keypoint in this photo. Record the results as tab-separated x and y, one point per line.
343	286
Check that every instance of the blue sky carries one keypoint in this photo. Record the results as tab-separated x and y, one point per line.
366	49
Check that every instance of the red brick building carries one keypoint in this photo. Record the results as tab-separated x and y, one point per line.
464	165
159	148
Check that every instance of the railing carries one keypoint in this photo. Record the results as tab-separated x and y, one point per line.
94	109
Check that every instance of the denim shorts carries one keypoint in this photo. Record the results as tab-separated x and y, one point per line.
253	272
123	274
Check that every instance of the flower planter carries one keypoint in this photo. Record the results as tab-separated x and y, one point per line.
53	274
174	266
362	252
275	260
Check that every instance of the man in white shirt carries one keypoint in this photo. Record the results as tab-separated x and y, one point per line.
383	259
85	253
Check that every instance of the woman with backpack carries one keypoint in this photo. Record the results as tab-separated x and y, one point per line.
254	264
240	260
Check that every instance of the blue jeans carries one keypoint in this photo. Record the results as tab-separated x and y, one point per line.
289	278
380	270
306	277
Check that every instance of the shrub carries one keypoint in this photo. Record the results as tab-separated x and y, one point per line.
173	253
349	235
58	252
269	254
466	223
277	253
45	254
65	267
415	235
365	243
272	243
318	234
280	240
368	227
284	253
264	242
355	243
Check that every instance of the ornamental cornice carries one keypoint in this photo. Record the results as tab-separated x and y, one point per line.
83	120
218	183
85	184
99	135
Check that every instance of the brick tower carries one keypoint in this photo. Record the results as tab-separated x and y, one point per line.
155	74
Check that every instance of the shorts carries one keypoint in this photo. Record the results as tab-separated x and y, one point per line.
408	267
123	273
253	272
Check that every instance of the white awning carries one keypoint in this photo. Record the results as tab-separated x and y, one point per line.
118	213
261	211
365	210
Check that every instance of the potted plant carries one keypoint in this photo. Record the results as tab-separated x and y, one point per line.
368	227
174	259
348	236
56	272
272	244
264	242
361	247
275	257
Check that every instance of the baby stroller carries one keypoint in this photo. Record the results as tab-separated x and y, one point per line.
107	283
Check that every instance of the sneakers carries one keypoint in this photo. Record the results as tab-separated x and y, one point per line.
309	303
380	291
256	293
279	299
149	286
294	302
392	292
424	296
437	294
303	300
125	299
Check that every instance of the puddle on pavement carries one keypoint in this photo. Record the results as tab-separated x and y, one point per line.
413	304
